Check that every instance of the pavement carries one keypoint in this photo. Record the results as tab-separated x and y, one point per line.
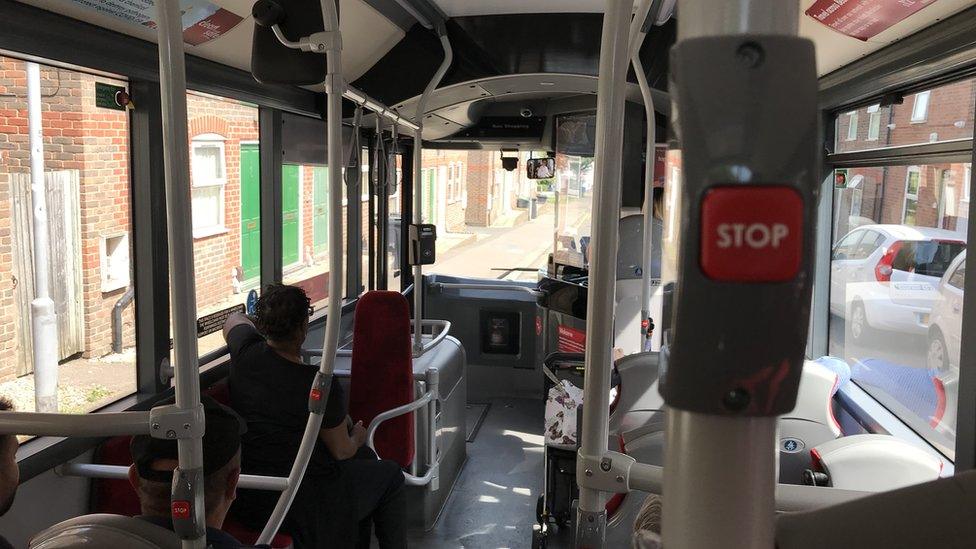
506	245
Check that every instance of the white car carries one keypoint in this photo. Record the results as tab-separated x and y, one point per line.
885	277
945	333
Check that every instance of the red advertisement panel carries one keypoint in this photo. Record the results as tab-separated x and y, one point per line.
571	340
863	19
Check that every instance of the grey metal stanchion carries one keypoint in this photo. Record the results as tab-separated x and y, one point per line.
183	421
329	42
649	162
418	151
614	61
744	91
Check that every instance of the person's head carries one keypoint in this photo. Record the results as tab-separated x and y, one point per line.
9	472
282	314
154	459
658	203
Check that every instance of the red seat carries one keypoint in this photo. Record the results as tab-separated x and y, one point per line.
117	496
382	372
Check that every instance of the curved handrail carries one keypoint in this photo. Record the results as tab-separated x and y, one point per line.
445	329
319	393
392	413
486	287
445	326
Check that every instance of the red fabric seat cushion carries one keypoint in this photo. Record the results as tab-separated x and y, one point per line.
382	371
119	498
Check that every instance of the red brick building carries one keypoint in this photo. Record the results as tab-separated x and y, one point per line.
930	195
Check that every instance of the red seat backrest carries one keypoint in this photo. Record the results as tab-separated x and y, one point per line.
382	371
117	496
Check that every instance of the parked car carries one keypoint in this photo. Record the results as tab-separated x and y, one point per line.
945	331
885	277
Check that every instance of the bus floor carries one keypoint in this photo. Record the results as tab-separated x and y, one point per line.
493	504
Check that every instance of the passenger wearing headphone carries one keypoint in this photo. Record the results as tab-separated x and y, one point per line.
154	459
346	489
9	472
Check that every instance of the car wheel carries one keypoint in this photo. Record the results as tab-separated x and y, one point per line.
857	324
937	356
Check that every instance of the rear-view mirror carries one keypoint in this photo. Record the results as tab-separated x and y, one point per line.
540	168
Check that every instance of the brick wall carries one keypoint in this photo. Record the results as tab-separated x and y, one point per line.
950	115
216	256
94	142
79	137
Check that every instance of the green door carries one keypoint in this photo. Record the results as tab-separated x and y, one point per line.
431	197
290	204
320	209
250	211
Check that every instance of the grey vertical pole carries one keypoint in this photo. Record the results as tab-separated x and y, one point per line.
44	319
723	498
611	94
649	165
418	149
323	382
172	83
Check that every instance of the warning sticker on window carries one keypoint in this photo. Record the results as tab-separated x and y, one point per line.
202	20
863	19
571	340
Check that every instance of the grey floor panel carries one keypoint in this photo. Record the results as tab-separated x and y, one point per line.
494	500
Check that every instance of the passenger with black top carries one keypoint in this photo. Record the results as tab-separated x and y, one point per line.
154	459
9	472
346	489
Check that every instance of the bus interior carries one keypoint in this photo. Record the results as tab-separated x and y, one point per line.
539	182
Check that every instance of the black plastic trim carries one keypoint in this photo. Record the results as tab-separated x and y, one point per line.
927	153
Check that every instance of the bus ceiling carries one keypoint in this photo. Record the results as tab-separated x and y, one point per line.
389	52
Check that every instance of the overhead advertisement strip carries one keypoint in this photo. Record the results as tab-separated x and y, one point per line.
863	19
203	21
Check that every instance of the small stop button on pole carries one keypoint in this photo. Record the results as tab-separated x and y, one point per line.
751	233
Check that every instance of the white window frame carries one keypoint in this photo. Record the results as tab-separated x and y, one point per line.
966	182
210	140
110	283
904	202
852	126
923	116
874	122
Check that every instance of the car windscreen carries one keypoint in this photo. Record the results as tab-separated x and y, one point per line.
928	257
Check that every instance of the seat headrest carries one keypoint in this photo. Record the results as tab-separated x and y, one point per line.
104	530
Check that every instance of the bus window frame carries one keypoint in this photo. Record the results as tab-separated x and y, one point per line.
857	85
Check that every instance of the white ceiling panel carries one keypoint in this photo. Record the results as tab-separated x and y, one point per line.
367	35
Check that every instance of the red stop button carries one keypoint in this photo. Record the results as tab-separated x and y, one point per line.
181	509
751	233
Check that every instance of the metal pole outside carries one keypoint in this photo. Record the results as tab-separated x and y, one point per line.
44	318
418	150
333	88
611	94
172	82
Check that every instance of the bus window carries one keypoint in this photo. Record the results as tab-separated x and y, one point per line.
89	223
491	222
930	116
225	178
305	229
895	312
